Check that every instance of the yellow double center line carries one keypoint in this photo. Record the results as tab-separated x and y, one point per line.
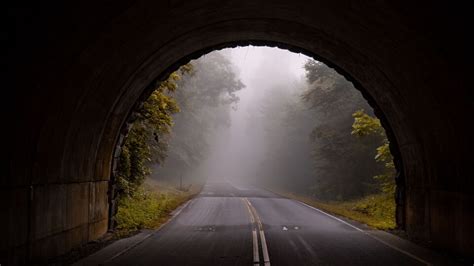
257	225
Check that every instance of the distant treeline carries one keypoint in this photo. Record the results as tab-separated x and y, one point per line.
324	141
173	127
321	139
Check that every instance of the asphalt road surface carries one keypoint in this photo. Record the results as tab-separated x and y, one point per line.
237	225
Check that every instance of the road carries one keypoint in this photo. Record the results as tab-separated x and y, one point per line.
238	225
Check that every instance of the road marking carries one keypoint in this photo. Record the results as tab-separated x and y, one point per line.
254	217
369	235
266	257
256	257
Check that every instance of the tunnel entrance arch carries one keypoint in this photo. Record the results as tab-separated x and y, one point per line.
92	77
400	189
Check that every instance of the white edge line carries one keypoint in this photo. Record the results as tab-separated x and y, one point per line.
366	233
332	216
150	234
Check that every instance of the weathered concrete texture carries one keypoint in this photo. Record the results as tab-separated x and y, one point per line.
63	216
67	215
78	69
449	211
13	213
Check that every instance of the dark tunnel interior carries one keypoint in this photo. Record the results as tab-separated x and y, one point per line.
77	70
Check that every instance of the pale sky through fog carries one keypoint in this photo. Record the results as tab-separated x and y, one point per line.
239	149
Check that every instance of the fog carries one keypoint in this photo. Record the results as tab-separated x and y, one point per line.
237	152
270	117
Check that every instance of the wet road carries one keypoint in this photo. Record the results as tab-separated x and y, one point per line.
237	225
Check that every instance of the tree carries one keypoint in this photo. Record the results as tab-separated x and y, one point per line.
343	166
205	97
285	120
147	136
365	125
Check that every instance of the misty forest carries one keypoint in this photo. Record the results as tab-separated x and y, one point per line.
255	115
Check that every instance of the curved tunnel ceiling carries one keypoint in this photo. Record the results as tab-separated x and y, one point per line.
88	65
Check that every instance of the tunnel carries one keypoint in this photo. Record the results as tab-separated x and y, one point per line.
78	69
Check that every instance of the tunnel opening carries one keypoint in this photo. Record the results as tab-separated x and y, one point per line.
314	70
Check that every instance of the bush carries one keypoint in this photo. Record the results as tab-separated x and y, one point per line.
146	209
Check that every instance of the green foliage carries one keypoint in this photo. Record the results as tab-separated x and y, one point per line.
148	208
205	97
147	139
379	207
329	93
365	125
140	211
343	166
376	210
131	167
354	176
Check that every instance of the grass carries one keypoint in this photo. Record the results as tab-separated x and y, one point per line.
377	211
150	207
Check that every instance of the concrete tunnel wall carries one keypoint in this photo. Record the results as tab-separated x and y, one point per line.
77	70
